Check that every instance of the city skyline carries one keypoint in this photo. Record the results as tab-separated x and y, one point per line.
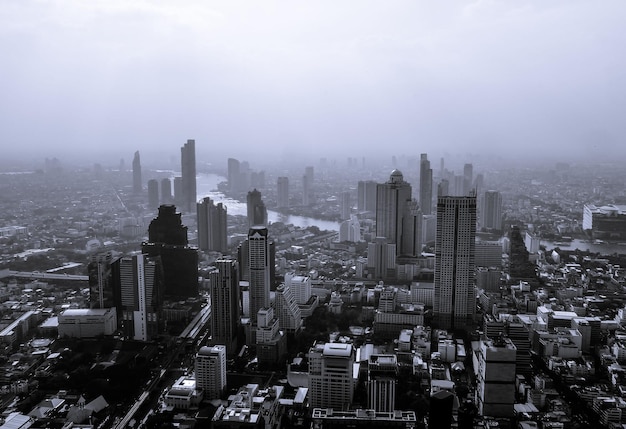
482	78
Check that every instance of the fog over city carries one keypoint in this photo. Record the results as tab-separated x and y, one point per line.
529	79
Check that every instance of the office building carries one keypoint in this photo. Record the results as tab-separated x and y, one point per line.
271	342
282	192
454	305
137	184
224	285
366	196
166	191
382	373
138	291
443	188
257	212
426	185
234	179
350	230
492	211
391	200
210	371
331	383
178	191
188	174
167	238
287	310
300	285
100	281
212	226
381	259
87	323
345	205
410	243
605	222
153	193
259	270
495	377
468	179
488	254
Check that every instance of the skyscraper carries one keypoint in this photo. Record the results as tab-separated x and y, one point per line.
210	371
287	310
468	178
167	238
153	193
234	180
345	206
188	173
138	294
426	185
495	377
366	196
282	192
259	266
212	226
492	211
100	281
136	173
257	213
391	199
224	284
454	304
166	191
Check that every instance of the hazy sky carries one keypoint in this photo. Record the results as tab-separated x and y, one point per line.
314	77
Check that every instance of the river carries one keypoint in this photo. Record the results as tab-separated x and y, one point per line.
206	186
593	247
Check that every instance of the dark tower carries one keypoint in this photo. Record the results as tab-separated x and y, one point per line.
212	226
257	212
188	173
426	185
167	238
136	174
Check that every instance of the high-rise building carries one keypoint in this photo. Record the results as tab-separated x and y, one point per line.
331	383
234	179
188	173
271	343
307	186
441	409
411	234
350	230
137	174
391	200
492	211
382	373
178	190
257	212
282	193
455	302
381	259
100	281
468	178
153	193
224	284
495	378
210	371
259	266
166	191
366	196
300	285
287	310
167	238
137	285
426	185
212	226
345	206
443	188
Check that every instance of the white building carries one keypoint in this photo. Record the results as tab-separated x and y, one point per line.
211	371
87	322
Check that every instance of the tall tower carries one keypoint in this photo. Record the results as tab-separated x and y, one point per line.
100	281
224	284
331	384
167	238
391	199
138	292
492	211
282	194
136	174
454	304
287	310
153	193
259	265
212	226
234	180
426	185
166	191
188	173
345	205
210	370
257	212
468	178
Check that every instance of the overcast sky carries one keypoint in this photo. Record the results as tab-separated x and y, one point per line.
313	77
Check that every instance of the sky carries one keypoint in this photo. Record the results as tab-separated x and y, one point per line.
277	79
